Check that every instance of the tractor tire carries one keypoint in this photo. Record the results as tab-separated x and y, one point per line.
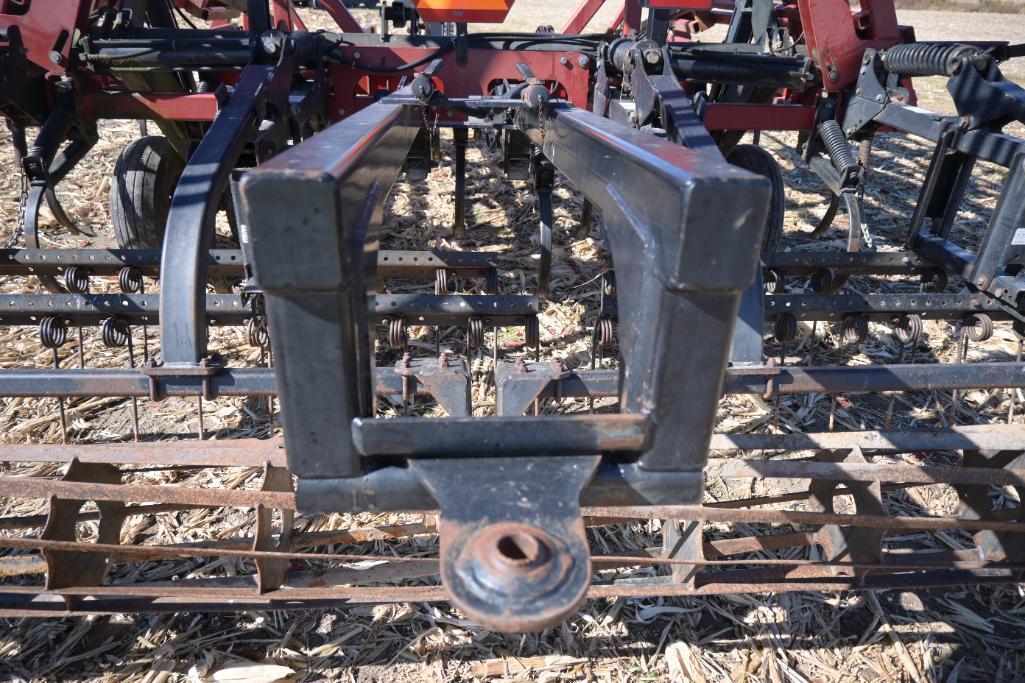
145	177
759	161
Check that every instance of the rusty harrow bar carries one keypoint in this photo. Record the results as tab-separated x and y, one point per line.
864	548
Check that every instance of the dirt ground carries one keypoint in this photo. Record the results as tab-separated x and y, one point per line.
956	635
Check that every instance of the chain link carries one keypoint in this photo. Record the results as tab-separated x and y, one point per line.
19	226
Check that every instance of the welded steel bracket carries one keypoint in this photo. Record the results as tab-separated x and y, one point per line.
514	556
684	229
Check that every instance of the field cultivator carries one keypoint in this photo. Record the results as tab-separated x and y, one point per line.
258	200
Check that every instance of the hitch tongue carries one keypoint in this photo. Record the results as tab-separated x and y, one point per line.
514	556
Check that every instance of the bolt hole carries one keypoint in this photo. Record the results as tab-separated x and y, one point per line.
518	548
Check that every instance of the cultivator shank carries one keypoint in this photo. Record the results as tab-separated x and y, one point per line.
381	375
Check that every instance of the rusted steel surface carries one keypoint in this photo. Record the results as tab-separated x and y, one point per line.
229	453
29	604
905	474
891	523
35	487
995	436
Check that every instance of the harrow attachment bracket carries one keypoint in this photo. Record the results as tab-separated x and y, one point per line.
672	269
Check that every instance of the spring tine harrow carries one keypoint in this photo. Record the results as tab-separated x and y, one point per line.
255	268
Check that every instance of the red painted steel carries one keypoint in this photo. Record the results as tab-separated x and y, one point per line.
47	29
582	15
167	106
354	88
759	117
838	36
464	11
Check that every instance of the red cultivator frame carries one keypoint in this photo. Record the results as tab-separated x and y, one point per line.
297	138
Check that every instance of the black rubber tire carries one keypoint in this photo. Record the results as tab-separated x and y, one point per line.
758	160
145	176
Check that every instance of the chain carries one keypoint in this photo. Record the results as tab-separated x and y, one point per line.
19	226
867	236
431	126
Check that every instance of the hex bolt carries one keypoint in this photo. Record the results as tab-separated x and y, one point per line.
583	61
269	44
564	60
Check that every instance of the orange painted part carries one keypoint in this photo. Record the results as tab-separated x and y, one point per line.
464	11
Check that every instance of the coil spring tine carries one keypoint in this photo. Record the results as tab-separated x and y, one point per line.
81	347
117	333
775	282
258	335
853	330
135	401
202	428
441	283
396	332
130	281
962	352
474	334
53	333
784	331
494	354
77	279
977	327
908	330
